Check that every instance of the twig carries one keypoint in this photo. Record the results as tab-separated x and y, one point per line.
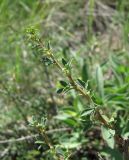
33	136
4	152
18	139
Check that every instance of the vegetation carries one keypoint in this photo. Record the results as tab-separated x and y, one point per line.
64	90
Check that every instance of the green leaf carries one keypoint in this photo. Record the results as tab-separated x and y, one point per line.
87	124
82	83
59	150
46	61
60	90
64	62
71	122
87	112
63	83
72	145
70	111
85	75
39	142
62	116
48	45
78	105
97	99
115	63
100	81
67	89
108	136
67	119
113	153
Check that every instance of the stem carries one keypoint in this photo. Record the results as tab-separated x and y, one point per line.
119	140
78	88
45	138
82	92
71	80
56	62
102	120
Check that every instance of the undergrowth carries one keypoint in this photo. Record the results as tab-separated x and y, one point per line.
64	85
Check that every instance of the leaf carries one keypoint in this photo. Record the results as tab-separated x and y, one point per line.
70	111
48	45
62	116
64	62
78	105
108	136
113	153
82	83
97	99
100	81
46	61
71	122
67	89
63	83
72	145
60	90
115	63
39	142
59	150
87	124
87	112
85	75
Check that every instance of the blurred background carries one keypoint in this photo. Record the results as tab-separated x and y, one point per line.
91	32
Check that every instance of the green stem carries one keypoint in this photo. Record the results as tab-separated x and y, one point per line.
78	88
46	138
81	91
71	80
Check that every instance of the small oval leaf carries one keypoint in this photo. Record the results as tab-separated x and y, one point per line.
64	62
63	83
60	90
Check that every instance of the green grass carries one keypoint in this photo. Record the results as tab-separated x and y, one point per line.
98	47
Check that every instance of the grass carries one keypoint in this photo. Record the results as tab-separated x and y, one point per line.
96	42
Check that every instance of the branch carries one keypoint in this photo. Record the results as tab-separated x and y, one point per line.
4	152
33	136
